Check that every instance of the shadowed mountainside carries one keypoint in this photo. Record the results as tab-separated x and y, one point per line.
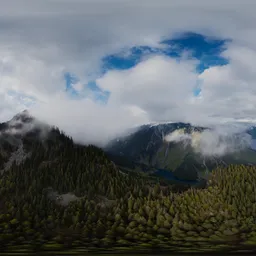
147	150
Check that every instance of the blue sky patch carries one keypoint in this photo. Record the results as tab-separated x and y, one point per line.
206	50
90	89
25	100
127	58
99	95
199	45
70	80
197	91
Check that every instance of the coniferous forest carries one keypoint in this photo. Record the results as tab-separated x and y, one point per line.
116	211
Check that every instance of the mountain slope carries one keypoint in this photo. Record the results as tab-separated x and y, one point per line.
147	150
18	135
73	198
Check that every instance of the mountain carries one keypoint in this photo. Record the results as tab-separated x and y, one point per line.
56	195
17	137
181	148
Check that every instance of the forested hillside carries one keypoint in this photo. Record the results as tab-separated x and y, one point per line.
70	197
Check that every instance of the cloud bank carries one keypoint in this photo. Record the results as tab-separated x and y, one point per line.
213	142
42	41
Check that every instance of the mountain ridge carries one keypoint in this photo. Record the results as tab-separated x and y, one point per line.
73	198
147	149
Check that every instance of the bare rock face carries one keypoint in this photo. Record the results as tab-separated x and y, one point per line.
16	157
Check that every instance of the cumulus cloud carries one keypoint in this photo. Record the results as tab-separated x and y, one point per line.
158	85
178	136
43	40
216	142
89	122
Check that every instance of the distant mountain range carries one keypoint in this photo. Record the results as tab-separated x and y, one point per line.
182	150
188	151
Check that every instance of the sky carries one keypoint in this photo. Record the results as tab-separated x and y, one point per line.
96	68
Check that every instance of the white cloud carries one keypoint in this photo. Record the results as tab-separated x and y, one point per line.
78	86
230	90
41	40
158	85
213	143
87	121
